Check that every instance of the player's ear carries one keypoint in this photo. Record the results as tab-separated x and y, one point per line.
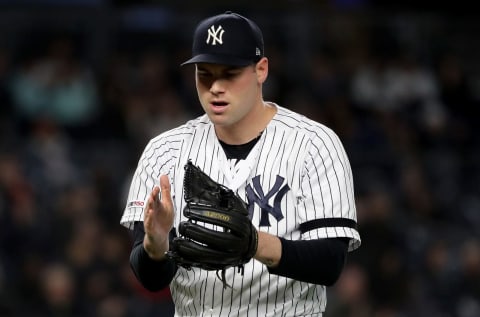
261	69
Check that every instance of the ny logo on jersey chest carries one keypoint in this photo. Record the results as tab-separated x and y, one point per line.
257	196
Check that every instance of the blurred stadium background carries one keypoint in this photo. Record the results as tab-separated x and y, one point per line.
85	83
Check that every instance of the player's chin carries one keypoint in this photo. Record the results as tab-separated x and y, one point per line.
217	116
218	120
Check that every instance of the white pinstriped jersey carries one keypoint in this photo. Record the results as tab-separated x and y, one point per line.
297	173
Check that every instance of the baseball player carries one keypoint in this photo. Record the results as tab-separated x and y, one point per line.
292	172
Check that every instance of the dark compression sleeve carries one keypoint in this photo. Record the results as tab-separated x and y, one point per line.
153	275
317	261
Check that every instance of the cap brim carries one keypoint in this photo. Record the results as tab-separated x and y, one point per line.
217	59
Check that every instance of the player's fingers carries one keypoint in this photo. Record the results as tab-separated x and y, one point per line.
166	188
154	197
152	203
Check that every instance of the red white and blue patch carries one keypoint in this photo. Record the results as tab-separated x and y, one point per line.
135	204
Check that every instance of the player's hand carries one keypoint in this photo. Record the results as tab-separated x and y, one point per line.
158	220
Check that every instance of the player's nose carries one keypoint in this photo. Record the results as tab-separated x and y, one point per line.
217	86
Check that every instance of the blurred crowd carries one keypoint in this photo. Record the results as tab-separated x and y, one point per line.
71	133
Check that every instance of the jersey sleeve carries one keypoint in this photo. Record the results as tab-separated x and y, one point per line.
327	191
147	173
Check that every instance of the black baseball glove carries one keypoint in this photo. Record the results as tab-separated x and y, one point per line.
218	233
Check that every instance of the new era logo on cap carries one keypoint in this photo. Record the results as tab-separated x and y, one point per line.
228	39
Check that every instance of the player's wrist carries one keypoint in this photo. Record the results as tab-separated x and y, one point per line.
155	250
269	249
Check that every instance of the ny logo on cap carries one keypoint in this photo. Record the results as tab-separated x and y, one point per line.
215	35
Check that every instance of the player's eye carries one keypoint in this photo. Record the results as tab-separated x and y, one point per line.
204	74
227	74
231	74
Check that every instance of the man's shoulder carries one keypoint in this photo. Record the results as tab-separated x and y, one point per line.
183	131
292	119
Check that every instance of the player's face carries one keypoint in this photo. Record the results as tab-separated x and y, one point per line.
230	96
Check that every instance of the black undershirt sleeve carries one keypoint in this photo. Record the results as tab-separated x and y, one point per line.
153	275
319	261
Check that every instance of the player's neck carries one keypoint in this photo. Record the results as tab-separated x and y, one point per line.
249	128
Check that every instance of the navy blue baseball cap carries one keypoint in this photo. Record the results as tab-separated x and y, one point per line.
228	39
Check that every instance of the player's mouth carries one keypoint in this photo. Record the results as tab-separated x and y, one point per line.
218	106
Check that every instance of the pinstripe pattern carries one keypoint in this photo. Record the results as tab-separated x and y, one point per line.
307	156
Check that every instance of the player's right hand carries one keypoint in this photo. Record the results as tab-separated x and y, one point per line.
158	220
